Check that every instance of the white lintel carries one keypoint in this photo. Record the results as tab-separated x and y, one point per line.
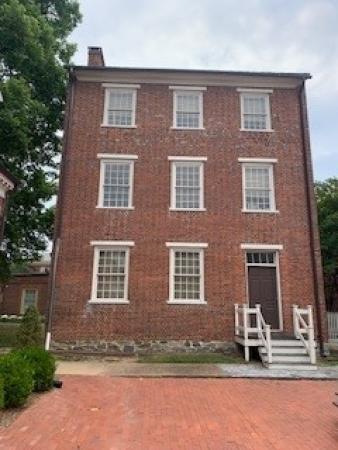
113	243
121	86
187	244
187	158
258	160
116	156
249	246
254	90
188	88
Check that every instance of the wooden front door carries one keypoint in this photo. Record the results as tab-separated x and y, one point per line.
262	283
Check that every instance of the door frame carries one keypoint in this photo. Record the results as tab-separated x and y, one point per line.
269	248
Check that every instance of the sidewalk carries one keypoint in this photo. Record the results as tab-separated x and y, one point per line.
127	368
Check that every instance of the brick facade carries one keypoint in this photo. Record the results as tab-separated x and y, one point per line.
13	292
150	225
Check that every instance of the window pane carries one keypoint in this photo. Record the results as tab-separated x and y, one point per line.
116	184
120	107
257	188
188	110
187	275
187	189
111	274
255	112
30	297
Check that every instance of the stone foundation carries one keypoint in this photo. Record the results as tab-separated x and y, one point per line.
141	347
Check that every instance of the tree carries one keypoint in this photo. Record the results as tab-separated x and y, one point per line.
327	203
34	53
30	330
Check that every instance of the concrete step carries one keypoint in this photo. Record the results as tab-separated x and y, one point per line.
292	359
285	350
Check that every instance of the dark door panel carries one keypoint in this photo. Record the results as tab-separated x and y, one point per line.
263	290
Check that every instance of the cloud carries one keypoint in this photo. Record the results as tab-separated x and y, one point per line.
272	35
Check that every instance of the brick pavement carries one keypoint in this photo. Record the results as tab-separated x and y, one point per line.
100	412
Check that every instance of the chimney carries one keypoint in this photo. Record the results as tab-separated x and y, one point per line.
95	56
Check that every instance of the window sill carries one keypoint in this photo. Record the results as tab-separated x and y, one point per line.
104	125
188	209
187	128
108	302
257	131
261	211
123	208
186	302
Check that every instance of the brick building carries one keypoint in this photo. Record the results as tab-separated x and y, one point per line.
182	193
29	288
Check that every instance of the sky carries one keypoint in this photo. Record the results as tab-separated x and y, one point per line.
262	35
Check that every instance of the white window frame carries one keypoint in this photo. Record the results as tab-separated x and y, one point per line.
185	246
184	160
183	90
259	163
110	245
265	93
22	306
108	158
122	87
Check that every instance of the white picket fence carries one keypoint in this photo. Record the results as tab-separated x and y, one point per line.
332	322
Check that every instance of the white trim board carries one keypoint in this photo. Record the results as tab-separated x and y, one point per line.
113	243
254	90
187	88
186	244
187	158
258	160
116	156
121	86
249	246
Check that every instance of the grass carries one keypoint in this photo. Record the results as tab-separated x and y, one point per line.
191	358
329	361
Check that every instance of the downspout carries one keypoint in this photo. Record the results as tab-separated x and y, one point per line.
59	207
317	270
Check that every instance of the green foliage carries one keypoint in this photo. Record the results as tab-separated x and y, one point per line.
33	55
2	393
43	365
327	203
18	379
30	329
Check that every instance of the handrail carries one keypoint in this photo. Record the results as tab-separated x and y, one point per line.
303	328
243	327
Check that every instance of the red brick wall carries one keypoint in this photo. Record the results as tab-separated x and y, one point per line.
223	226
13	293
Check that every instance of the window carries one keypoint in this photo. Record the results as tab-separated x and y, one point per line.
116	181
110	273
255	111
258	188
120	107
187	192
29	298
188	108
186	283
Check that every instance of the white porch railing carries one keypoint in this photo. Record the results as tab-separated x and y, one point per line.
304	330
332	323
244	315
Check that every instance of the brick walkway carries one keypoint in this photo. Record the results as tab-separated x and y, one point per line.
153	414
